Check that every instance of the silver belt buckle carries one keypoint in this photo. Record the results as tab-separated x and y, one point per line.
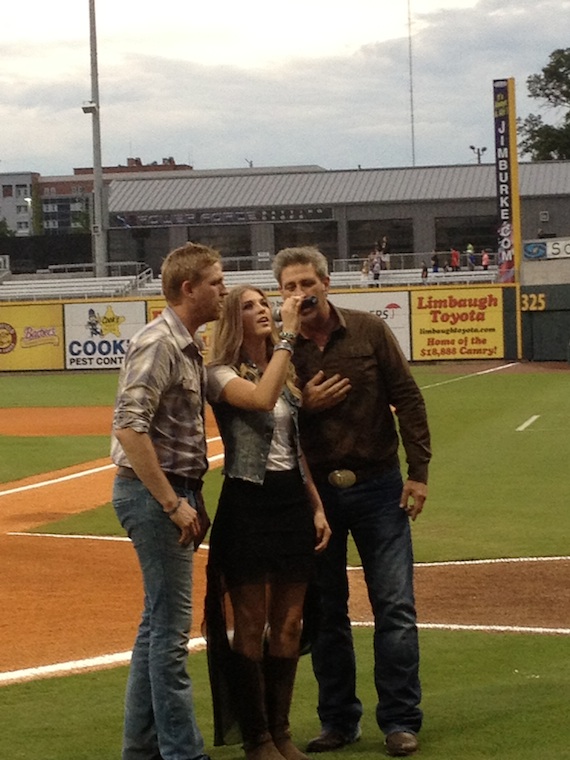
342	478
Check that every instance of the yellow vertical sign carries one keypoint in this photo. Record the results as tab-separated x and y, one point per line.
507	179
509	244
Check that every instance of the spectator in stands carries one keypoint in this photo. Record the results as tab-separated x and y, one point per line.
485	259
385	251
454	259
159	448
435	263
424	270
470	251
375	265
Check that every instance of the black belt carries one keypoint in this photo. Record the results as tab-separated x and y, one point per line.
177	481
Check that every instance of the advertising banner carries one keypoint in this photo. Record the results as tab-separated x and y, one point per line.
507	181
97	334
31	337
393	307
553	248
223	216
457	324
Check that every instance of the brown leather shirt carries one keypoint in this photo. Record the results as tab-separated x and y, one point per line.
360	433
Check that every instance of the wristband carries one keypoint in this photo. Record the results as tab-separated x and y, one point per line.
175	509
288	336
283	345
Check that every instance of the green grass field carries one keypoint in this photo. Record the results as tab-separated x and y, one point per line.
21	457
58	389
495	491
500	697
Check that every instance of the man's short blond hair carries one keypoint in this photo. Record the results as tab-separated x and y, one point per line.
186	263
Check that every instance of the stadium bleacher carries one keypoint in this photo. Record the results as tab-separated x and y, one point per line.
144	284
67	288
407	277
264	278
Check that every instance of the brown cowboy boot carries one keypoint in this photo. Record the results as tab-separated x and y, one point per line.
279	682
248	690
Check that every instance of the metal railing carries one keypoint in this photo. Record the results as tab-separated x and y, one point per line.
111	268
408	261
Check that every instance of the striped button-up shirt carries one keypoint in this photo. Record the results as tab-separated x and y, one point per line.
161	393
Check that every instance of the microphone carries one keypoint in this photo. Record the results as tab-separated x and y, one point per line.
306	303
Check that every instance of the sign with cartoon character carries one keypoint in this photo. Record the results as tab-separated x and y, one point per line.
97	334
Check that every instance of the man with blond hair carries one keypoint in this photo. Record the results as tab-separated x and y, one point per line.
159	447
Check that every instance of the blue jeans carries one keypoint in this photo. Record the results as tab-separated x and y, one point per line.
370	512
159	711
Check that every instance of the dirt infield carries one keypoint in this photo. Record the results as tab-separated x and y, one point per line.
43	421
71	598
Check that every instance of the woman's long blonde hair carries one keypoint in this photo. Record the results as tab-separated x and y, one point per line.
227	340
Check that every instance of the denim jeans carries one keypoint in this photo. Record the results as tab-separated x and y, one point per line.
370	512
159	711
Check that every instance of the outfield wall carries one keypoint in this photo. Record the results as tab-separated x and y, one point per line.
431	324
546	322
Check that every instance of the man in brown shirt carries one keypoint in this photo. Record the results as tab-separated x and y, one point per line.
356	382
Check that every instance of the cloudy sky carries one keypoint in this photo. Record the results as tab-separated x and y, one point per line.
221	84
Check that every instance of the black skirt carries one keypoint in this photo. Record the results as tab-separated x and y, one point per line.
261	533
264	532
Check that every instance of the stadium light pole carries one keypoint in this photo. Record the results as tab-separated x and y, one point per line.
478	152
410	64
98	227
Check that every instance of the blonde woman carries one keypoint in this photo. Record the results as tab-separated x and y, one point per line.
269	524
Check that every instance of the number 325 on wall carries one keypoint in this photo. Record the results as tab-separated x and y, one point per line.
533	301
